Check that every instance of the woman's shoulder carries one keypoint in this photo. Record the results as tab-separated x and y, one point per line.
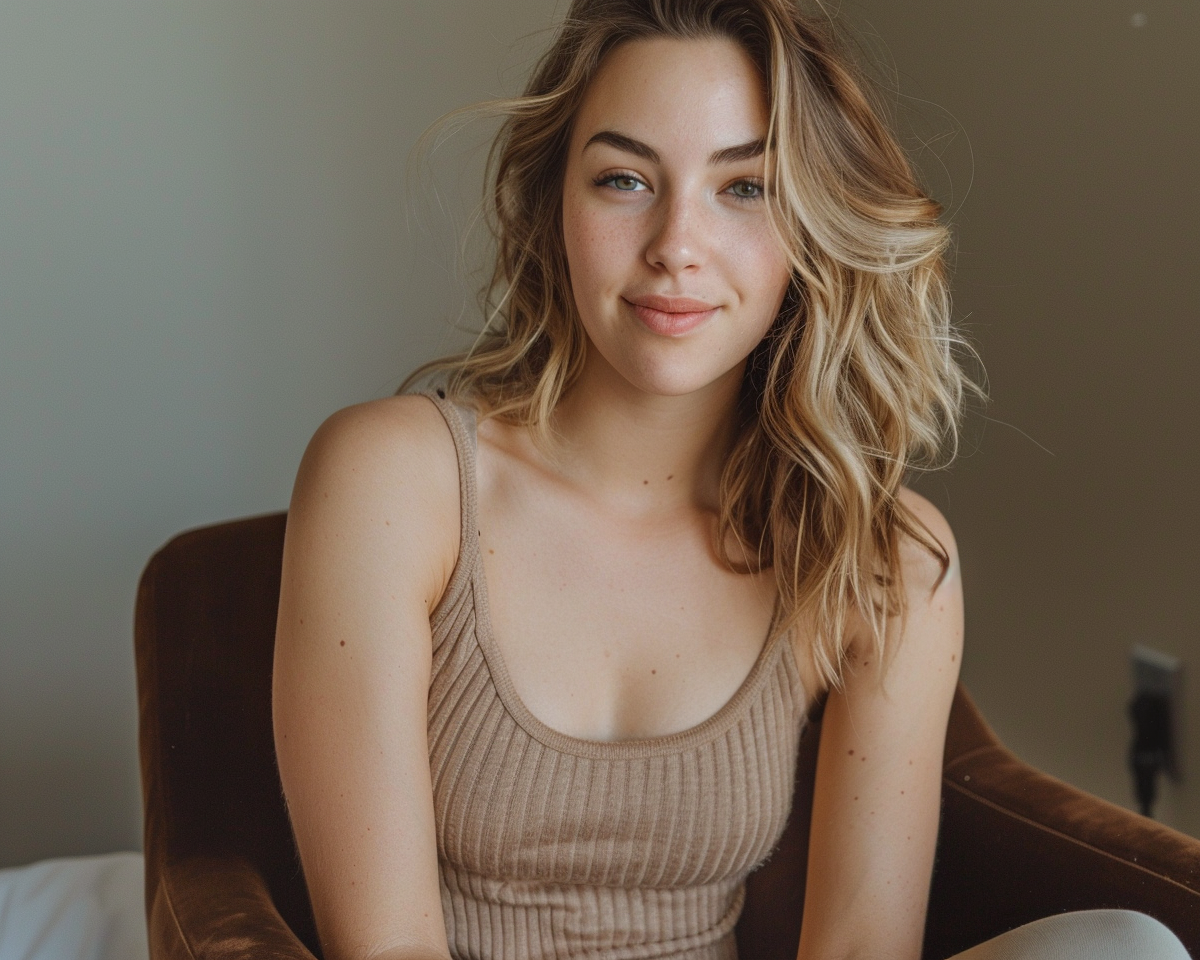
922	568
383	475
401	438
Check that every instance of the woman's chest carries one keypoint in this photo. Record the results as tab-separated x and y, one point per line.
614	628
519	801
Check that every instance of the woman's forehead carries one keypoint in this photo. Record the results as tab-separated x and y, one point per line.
705	93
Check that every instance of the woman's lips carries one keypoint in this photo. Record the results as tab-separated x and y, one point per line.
671	316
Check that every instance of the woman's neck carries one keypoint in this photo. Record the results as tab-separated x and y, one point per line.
642	452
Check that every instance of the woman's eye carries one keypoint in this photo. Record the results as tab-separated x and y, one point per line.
625	184
747	190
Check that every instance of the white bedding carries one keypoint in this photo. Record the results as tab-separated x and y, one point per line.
76	908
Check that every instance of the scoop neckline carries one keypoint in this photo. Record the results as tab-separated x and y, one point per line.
470	565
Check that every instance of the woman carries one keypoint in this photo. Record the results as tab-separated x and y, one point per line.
548	634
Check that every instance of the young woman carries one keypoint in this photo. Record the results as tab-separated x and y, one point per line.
548	633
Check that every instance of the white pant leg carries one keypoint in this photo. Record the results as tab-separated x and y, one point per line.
1084	935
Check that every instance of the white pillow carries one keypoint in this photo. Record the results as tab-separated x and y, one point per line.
76	908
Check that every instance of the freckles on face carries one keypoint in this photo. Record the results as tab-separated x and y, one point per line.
675	271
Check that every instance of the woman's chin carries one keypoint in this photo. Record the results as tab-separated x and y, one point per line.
670	369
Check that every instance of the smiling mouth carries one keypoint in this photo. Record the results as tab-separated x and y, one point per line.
671	316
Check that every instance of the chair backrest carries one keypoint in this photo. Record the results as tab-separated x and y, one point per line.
204	637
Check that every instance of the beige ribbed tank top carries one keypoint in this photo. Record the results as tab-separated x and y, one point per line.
550	846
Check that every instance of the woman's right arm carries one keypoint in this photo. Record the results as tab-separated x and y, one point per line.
372	539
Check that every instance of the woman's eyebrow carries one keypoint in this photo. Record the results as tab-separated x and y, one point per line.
628	144
743	151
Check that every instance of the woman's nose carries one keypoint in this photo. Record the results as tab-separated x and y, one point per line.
678	241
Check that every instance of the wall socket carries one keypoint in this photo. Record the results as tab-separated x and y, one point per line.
1162	674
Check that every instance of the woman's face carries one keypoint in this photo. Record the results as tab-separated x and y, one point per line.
675	271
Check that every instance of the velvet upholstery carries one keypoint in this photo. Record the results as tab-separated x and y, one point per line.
223	879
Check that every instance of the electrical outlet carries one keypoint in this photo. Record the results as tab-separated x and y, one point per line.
1161	674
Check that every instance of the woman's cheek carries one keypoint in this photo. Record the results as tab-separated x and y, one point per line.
598	248
763	258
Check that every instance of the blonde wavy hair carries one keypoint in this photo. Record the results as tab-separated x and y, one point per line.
858	380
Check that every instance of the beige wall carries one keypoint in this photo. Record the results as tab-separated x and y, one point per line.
1074	175
204	250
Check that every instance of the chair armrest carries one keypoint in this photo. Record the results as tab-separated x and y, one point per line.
1017	844
208	908
222	873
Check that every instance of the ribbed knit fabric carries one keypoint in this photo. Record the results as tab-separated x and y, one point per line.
550	846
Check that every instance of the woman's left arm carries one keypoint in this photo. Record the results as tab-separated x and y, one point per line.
877	794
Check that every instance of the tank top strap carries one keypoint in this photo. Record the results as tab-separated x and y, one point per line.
461	419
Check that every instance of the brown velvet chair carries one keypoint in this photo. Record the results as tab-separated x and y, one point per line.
223	879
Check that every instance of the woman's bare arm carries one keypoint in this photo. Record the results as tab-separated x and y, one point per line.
372	538
877	794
